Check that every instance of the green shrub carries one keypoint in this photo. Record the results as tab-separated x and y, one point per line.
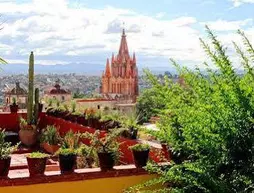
208	124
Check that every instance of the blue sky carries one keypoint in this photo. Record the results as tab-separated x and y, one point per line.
86	32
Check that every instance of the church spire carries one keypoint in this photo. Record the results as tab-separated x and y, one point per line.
107	72
123	50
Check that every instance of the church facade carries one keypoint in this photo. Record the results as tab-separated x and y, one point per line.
120	78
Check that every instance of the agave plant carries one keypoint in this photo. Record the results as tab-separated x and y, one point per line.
51	135
131	123
71	140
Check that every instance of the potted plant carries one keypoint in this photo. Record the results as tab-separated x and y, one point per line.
14	107
72	116
89	154
91	117
81	117
36	163
28	128
58	110
50	139
140	154
49	107
28	133
5	151
130	122
68	152
107	147
111	119
65	111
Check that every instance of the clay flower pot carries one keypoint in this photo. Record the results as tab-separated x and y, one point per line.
28	136
106	161
67	163
140	158
36	166
52	149
4	167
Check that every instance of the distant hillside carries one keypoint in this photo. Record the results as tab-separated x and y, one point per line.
79	68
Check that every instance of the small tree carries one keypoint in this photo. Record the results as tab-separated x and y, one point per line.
149	103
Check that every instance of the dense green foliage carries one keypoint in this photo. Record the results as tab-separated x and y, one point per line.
149	104
208	124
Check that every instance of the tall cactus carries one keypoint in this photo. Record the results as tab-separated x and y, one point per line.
36	104
30	90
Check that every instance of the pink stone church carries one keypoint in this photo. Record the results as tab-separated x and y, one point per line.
120	78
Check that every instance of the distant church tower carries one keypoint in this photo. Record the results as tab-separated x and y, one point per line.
120	79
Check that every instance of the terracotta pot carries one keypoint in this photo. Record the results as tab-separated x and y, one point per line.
52	149
36	166
14	108
4	167
106	161
28	136
67	163
140	158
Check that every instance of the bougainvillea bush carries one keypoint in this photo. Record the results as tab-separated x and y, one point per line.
208	124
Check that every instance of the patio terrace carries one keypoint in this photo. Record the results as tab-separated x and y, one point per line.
127	174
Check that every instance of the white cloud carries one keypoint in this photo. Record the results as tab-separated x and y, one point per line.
238	3
51	27
160	15
60	33
223	25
